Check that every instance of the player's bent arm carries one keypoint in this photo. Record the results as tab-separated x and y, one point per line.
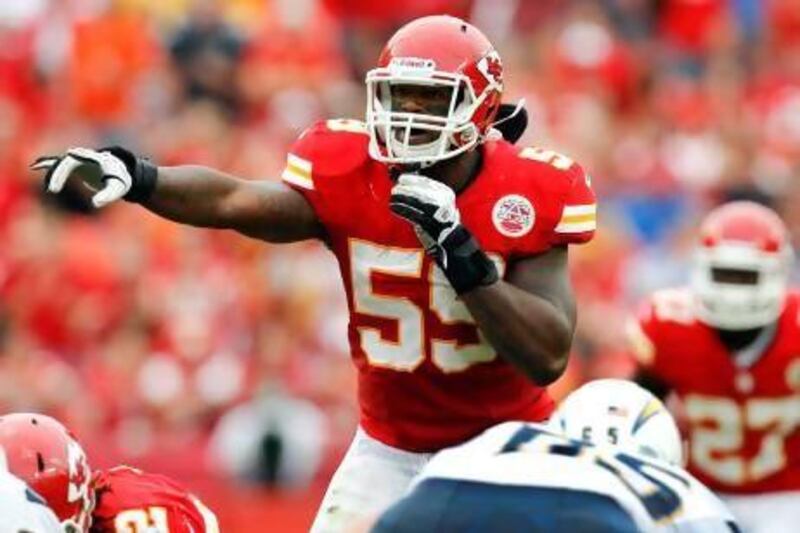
204	197
530	318
643	350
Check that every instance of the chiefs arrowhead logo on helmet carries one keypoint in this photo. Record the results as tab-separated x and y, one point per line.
44	454
492	67
78	472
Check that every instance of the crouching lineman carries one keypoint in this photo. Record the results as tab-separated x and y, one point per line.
608	461
21	509
43	453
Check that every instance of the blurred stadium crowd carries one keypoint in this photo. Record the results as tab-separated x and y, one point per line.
190	351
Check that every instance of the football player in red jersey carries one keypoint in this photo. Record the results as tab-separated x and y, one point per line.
43	453
729	347
451	243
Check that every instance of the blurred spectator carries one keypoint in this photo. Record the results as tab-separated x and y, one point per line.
206	52
690	26
390	15
589	57
275	439
110	54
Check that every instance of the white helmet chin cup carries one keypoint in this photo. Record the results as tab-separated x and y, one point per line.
619	414
733	306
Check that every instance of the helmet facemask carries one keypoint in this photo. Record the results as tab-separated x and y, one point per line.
79	490
739	287
82	521
398	136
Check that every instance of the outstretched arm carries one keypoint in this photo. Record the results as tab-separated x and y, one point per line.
530	318
194	195
201	196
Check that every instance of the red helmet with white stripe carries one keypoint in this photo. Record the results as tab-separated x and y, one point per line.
43	453
437	52
741	268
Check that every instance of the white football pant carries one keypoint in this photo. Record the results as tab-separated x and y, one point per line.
775	512
370	478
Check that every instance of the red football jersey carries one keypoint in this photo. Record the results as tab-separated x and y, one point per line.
427	379
742	416
132	501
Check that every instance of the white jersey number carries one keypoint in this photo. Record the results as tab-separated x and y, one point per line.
549	157
149	520
716	448
408	351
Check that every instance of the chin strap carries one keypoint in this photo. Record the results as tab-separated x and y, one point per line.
517	110
513	121
746	356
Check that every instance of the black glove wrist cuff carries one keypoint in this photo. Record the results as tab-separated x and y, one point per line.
464	263
144	174
144	182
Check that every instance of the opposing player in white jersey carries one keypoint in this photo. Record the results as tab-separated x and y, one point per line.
21	509
608	461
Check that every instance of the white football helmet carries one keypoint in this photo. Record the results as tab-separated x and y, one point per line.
619	413
741	268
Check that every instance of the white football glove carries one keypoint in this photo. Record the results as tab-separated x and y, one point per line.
108	174
431	207
428	204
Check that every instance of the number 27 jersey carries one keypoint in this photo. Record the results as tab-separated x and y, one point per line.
427	378
743	417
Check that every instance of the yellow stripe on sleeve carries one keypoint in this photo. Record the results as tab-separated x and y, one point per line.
298	172
578	219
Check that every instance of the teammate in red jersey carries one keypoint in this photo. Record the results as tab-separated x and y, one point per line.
451	242
729	347
44	454
129	500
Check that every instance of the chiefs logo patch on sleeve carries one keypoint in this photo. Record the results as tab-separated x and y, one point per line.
513	215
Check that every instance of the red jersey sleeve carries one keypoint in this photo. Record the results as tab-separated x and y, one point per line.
578	219
661	326
640	331
322	165
562	203
132	501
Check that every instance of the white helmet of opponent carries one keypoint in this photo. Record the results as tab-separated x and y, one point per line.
21	509
619	413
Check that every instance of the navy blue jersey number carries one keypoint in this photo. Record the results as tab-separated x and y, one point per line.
643	479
